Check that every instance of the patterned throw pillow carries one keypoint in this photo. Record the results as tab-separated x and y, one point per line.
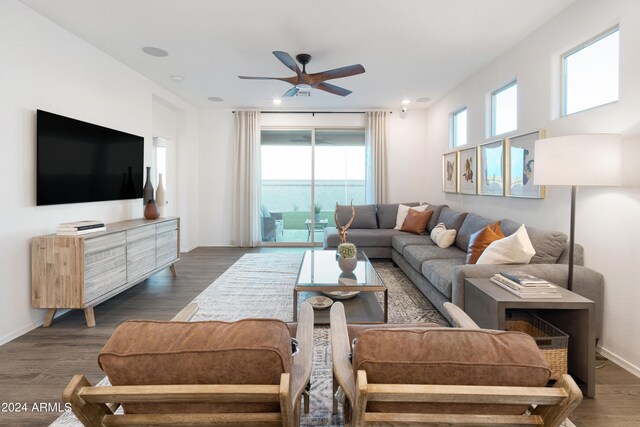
443	237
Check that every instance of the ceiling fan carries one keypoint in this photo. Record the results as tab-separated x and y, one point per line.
303	82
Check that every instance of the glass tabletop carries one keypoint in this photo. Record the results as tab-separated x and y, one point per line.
320	269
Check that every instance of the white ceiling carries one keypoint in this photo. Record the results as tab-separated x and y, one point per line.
410	48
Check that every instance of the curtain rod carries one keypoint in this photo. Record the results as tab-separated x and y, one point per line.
314	112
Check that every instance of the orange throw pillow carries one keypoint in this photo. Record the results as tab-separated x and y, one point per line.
416	222
479	241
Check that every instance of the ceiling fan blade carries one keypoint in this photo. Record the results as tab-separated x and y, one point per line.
288	61
350	70
336	90
291	92
291	80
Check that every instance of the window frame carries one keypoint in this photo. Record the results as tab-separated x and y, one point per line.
563	69
501	89
453	140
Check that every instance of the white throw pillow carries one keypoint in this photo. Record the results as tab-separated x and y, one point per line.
514	249
403	211
443	237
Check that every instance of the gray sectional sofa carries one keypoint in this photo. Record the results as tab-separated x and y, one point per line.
440	273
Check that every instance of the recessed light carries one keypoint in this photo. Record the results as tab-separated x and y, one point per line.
423	99
277	101
215	99
155	51
177	78
406	102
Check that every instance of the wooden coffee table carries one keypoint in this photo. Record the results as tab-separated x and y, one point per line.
319	272
487	304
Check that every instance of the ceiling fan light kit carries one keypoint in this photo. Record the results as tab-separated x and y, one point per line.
303	83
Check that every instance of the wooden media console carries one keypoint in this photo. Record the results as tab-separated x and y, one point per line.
82	271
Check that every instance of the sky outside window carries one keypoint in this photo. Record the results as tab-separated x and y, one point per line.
460	128
505	109
591	74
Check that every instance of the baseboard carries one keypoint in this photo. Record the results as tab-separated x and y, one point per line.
627	366
16	334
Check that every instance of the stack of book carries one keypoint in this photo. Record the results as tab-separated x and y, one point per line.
525	285
80	227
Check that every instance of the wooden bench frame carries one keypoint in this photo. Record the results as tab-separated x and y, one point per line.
549	406
95	406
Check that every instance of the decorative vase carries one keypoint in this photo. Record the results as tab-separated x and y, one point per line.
147	191
316	217
347	265
160	196
151	211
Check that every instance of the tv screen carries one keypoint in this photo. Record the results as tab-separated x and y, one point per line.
82	162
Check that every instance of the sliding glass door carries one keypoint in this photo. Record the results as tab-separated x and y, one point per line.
305	172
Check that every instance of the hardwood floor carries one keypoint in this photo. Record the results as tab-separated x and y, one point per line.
36	367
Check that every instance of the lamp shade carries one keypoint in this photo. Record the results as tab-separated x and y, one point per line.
592	159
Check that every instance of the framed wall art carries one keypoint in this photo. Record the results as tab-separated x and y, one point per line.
491	168
468	171
450	172
520	166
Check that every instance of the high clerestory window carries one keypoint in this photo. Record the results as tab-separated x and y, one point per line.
459	128
591	73
504	109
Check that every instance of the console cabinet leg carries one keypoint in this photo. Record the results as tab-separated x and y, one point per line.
48	318
90	317
172	267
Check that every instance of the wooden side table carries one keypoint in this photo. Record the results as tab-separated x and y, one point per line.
487	304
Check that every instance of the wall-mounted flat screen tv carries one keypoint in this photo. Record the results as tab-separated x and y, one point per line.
82	162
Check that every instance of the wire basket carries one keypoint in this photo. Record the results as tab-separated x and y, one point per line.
551	341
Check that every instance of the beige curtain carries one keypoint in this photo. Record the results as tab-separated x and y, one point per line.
376	142
245	222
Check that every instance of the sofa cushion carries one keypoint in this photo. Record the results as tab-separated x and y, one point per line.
416	255
437	209
547	244
401	240
514	249
365	216
362	238
251	351
449	356
480	240
355	329
387	213
472	223
451	219
416	222
440	272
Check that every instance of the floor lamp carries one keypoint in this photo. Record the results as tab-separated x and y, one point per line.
592	159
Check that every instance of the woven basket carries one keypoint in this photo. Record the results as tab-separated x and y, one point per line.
551	341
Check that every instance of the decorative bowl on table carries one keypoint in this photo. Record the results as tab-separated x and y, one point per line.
320	302
341	294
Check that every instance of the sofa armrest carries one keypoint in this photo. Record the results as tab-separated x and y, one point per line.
586	282
340	351
303	361
459	318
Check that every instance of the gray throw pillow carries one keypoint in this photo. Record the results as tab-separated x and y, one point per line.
365	216
547	244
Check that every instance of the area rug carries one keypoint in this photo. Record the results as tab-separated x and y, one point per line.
260	285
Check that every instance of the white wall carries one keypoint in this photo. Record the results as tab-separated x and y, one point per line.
45	67
217	133
607	218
